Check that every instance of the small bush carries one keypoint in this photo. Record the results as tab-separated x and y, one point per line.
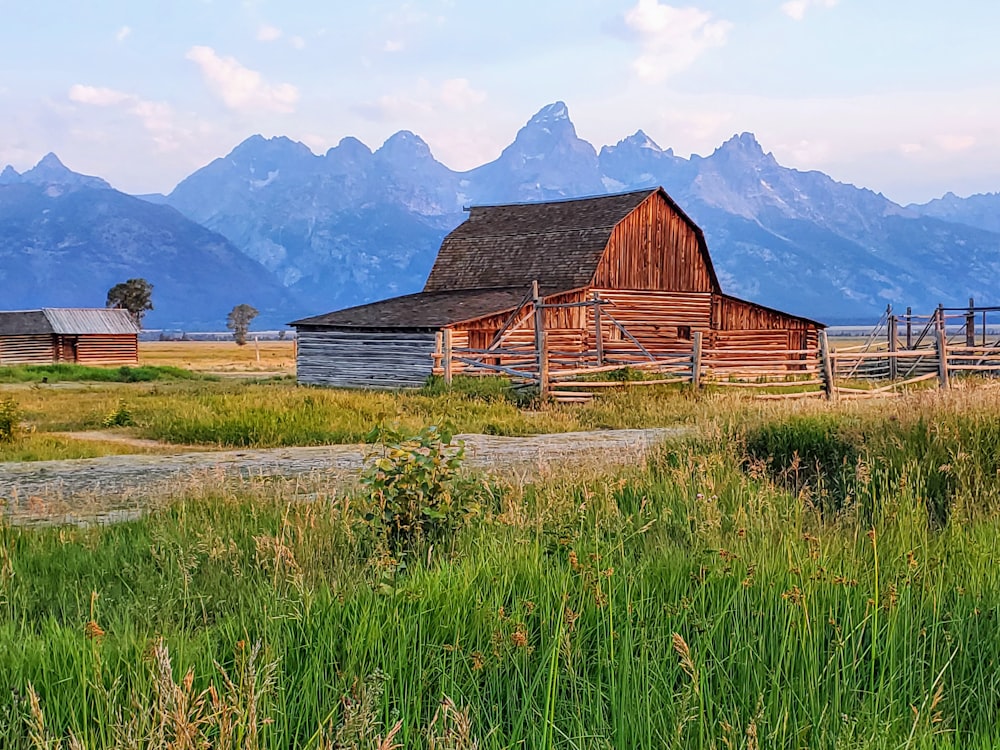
10	420
120	416
414	488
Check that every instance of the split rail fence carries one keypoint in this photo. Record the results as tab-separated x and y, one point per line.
915	349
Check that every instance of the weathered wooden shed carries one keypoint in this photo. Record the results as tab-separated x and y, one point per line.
79	335
636	256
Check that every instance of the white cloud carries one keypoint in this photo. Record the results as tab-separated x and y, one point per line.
392	45
268	33
796	9
297	42
97	95
672	38
239	87
123	33
910	148
156	117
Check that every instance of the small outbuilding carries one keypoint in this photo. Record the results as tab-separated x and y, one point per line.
87	336
617	276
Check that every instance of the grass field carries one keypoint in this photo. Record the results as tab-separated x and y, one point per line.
793	577
221	356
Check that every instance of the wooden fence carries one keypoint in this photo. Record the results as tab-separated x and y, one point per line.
575	376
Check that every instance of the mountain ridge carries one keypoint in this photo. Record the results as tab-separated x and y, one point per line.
355	224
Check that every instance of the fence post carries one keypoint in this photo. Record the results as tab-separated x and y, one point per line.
824	352
597	329
541	345
696	360
909	327
942	352
970	324
447	355
893	346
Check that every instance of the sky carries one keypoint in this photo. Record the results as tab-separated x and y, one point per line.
900	96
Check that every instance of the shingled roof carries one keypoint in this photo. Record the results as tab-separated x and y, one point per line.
558	243
422	310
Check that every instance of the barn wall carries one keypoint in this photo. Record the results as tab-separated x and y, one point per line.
364	359
661	321
106	349
654	248
730	314
32	349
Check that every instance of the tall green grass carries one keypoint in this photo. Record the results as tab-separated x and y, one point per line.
694	602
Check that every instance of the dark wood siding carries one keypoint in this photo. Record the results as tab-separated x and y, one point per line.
30	349
654	248
364	359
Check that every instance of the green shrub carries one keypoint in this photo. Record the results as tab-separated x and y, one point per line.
414	489
808	453
120	416
10	420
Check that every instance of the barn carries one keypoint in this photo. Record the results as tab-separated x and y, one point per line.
615	276
89	336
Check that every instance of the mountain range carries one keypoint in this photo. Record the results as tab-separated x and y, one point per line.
293	232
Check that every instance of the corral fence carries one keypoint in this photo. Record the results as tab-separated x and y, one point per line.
902	350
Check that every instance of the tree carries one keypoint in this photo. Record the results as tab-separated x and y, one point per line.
134	295
239	322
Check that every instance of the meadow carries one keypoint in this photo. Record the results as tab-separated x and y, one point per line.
793	575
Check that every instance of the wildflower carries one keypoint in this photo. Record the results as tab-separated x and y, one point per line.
519	637
92	630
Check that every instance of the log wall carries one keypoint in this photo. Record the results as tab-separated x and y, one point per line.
35	349
103	349
654	248
364	359
731	314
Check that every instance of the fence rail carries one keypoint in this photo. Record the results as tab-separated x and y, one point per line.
925	353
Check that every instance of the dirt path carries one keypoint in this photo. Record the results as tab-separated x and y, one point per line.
113	488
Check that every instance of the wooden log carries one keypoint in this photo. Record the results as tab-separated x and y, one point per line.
696	353
769	384
942	352
598	332
448	373
829	386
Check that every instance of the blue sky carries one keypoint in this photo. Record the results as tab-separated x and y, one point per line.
899	96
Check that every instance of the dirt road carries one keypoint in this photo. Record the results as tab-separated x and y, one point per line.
114	488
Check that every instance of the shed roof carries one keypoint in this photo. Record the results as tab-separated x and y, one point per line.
422	310
558	243
71	321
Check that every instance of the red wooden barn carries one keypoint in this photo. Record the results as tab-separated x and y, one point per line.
637	253
80	335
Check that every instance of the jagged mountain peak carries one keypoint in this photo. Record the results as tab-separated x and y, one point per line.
257	146
404	144
554	112
9	175
51	171
743	143
350	146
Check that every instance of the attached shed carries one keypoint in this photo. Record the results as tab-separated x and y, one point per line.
637	255
91	336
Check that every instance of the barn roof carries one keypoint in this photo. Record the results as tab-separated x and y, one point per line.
558	243
422	310
71	321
